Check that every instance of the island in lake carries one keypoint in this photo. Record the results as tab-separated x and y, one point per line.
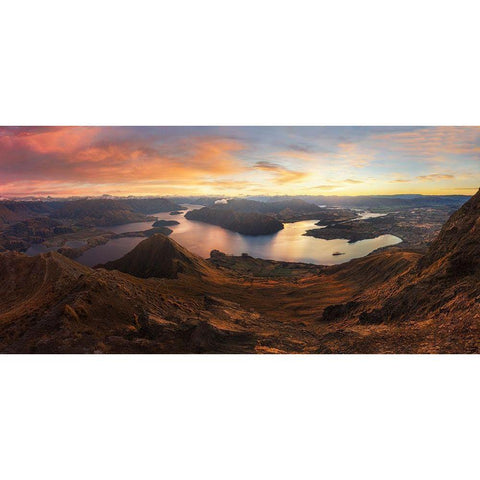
252	217
250	223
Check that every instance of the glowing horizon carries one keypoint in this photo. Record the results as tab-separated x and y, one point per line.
238	161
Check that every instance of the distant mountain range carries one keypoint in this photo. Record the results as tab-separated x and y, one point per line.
377	201
98	211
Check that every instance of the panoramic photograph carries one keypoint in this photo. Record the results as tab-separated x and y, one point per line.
239	241
242	239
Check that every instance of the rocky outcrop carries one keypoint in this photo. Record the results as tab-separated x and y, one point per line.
457	246
445	280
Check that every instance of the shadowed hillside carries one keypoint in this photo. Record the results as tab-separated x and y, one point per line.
105	212
98	212
12	212
457	247
51	304
443	289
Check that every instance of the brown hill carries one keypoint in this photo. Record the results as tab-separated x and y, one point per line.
442	290
161	257
98	212
151	205
51	304
15	211
457	246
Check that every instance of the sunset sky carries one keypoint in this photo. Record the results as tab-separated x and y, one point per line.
64	161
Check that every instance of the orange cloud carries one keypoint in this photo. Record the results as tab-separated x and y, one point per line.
282	174
44	140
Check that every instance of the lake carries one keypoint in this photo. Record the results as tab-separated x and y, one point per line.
201	238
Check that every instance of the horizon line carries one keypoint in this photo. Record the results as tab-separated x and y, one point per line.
47	196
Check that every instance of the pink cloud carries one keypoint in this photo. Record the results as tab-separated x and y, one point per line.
38	157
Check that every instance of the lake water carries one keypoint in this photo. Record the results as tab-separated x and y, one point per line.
112	250
201	238
40	248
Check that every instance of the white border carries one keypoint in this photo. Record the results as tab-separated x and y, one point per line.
239	63
237	417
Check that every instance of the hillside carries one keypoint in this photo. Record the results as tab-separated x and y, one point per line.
458	243
442	291
112	211
150	205
50	304
19	236
13	211
98	212
161	257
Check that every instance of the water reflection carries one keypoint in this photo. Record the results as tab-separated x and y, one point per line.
112	250
288	245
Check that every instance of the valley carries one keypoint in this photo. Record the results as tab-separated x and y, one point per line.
162	298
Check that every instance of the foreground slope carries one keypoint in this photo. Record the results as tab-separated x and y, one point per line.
440	296
52	304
